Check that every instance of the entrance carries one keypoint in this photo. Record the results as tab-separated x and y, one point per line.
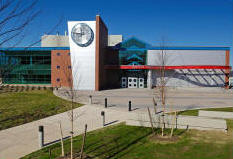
141	82
124	82
132	82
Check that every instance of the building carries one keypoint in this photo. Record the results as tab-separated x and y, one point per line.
90	59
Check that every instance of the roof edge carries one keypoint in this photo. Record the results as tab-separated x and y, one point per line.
33	48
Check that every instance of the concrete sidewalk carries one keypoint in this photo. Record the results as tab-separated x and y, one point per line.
19	141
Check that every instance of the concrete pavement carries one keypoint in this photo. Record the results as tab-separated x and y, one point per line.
18	141
177	98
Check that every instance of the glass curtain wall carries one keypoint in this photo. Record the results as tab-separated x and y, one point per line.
25	67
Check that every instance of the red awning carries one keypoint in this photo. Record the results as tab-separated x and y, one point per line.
146	67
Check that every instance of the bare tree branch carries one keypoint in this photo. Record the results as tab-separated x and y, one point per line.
15	17
49	32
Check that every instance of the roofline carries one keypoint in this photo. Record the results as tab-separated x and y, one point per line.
34	48
150	48
133	37
190	48
176	48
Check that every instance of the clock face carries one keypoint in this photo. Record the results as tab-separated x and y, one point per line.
82	34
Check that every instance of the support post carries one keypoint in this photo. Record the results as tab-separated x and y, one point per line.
151	122
83	144
41	136
62	144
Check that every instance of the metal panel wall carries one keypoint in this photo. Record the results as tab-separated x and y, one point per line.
189	78
83	60
187	57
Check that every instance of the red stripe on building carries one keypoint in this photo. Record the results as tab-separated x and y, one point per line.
146	67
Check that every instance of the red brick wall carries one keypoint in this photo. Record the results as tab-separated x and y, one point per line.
101	49
61	77
227	71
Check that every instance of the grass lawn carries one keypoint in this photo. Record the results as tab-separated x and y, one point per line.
131	142
195	112
22	107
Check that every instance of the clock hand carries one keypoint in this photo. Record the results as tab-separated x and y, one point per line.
77	33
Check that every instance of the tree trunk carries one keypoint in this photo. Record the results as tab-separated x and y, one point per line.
72	127
62	144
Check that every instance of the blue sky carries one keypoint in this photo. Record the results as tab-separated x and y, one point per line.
180	22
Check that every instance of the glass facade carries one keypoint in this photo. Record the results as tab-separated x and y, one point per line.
133	52
25	67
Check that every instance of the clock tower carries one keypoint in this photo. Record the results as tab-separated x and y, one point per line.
88	43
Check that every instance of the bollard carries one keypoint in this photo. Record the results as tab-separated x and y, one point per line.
105	102
41	136
90	99
129	105
103	115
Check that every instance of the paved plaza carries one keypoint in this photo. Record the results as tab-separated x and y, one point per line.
176	98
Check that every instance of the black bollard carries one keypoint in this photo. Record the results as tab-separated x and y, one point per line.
129	105
105	102
41	136
90	99
103	115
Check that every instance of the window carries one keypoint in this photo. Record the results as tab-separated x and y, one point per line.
130	80
68	53
58	54
58	79
135	80
69	67
58	67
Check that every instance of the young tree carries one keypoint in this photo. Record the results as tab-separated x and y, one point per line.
161	87
162	82
68	74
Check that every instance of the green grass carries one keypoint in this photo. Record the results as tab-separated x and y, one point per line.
22	107
195	112
122	142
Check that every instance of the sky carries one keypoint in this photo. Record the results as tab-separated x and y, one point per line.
180	22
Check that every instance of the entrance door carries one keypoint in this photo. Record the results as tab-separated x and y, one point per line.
141	82
132	82
123	82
